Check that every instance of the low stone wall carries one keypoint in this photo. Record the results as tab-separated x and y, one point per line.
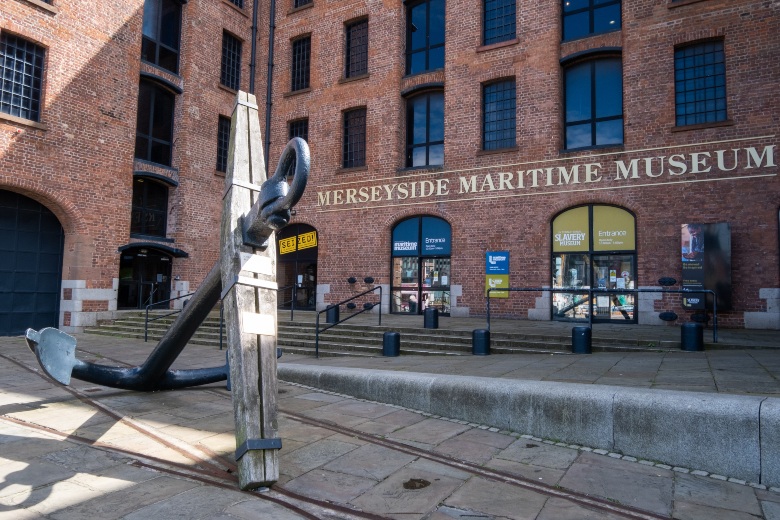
730	435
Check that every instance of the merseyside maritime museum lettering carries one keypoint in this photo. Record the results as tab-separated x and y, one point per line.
731	163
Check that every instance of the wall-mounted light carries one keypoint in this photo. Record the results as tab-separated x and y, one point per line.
368	279
351	279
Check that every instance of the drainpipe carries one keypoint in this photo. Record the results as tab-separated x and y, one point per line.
269	79
252	65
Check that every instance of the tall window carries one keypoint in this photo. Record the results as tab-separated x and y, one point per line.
585	17
301	3
301	60
230	72
498	115
223	143
425	130
150	208
594	103
154	128
357	49
161	33
499	21
700	83
354	144
238	3
424	36
300	128
21	77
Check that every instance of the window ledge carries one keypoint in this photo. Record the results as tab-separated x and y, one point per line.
715	124
296	92
499	45
51	9
420	169
497	151
219	173
353	169
595	34
294	10
600	148
155	238
235	8
678	3
22	121
227	89
354	78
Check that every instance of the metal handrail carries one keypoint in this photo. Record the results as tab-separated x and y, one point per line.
592	291
146	324
366	307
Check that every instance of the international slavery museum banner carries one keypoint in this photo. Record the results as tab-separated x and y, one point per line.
735	159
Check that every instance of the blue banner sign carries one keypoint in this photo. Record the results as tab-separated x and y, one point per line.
497	262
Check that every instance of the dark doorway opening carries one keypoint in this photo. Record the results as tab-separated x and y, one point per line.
144	278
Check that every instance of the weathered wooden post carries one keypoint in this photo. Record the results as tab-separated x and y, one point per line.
249	302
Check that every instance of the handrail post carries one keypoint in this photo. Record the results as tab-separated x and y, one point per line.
317	337
714	317
488	308
590	306
146	326
294	291
221	323
380	305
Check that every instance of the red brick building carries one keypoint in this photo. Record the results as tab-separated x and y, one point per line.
558	144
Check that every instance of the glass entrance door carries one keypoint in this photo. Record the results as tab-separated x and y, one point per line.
614	273
144	278
420	283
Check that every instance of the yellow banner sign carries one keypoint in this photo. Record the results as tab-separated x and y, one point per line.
495	281
307	240
287	245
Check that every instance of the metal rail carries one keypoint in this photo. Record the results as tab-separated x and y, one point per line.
592	291
366	307
146	324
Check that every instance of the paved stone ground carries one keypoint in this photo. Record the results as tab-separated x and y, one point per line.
44	475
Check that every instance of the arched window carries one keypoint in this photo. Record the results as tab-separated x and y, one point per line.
594	264
421	275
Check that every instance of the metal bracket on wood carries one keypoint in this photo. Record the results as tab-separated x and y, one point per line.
258	444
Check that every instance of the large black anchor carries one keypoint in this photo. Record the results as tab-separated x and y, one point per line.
56	350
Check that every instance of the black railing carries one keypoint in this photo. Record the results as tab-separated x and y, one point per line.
366	307
592	292
177	311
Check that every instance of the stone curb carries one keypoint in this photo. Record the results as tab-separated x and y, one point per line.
722	434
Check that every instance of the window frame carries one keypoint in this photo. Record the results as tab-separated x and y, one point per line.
593	120
300	65
353	144
356	53
30	110
591	9
143	210
157	40
293	128
486	20
485	92
428	48
223	143
700	69
157	90
410	145
230	65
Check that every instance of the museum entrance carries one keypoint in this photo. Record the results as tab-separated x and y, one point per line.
296	254
421	252
594	246
144	278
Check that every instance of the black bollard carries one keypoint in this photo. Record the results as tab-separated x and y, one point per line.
391	344
431	318
332	314
692	337
581	340
480	342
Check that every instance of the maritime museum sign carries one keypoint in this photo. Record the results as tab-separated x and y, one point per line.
703	162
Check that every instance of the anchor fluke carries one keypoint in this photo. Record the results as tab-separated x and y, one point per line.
55	350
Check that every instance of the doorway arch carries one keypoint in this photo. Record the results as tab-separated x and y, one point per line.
420	265
31	254
296	255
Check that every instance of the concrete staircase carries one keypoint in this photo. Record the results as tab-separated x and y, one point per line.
298	337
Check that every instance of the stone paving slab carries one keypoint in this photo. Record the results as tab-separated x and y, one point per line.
57	478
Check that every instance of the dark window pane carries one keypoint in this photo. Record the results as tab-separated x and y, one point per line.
238	3
436	58
606	19
354	144
150	208
576	26
300	129
154	123
594	103
21	73
609	132
499	21
162	33
578	92
578	136
300	63
425	130
425	36
357	49
585	17
701	98
609	88
230	72
498	111
299	3
223	142
436	22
